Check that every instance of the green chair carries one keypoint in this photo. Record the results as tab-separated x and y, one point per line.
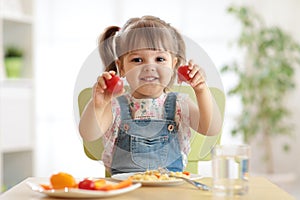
200	145
95	148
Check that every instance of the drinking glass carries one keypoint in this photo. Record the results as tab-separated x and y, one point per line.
230	169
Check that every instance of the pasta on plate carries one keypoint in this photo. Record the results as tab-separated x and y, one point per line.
154	175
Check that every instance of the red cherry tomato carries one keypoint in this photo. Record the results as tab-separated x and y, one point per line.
87	184
183	73
114	85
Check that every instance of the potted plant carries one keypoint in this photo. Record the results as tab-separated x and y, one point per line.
265	76
13	61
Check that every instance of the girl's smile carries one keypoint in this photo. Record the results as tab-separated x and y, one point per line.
149	78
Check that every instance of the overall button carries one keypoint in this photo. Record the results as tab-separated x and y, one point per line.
170	127
126	127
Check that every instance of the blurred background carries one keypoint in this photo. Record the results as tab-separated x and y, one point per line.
39	134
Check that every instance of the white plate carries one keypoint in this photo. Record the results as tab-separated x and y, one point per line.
79	193
125	176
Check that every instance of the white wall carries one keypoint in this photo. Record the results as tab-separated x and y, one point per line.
66	34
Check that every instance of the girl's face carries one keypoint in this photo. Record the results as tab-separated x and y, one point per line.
148	72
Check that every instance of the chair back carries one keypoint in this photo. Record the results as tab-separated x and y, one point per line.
95	148
201	145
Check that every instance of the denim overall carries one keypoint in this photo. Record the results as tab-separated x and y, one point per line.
146	144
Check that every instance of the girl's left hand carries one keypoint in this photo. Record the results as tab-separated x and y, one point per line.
197	76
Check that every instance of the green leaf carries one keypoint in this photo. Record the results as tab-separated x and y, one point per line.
286	147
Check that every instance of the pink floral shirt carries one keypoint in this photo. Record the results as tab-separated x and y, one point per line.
149	109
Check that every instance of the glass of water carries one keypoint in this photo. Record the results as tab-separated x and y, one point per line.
230	168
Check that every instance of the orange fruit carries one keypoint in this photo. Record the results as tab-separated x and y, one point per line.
62	180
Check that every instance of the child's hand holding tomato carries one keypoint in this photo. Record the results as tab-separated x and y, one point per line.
192	74
107	86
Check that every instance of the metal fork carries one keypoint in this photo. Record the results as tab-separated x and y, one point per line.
198	185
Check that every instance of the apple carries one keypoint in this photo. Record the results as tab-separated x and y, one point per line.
114	85
183	73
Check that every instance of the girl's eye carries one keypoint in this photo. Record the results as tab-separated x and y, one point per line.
136	60
160	59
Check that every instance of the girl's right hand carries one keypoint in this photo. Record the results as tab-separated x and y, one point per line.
101	96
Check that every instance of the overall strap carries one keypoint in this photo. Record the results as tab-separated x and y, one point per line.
170	106
124	107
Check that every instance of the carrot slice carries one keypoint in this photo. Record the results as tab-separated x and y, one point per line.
46	187
106	187
99	183
157	175
123	184
120	185
186	173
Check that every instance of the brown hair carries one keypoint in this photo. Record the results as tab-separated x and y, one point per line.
147	32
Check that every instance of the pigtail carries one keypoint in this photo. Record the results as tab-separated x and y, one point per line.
181	50
106	48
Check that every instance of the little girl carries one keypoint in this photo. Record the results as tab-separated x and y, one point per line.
148	126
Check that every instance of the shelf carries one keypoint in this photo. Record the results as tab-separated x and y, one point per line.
17	149
20	11
17	126
21	19
18	82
